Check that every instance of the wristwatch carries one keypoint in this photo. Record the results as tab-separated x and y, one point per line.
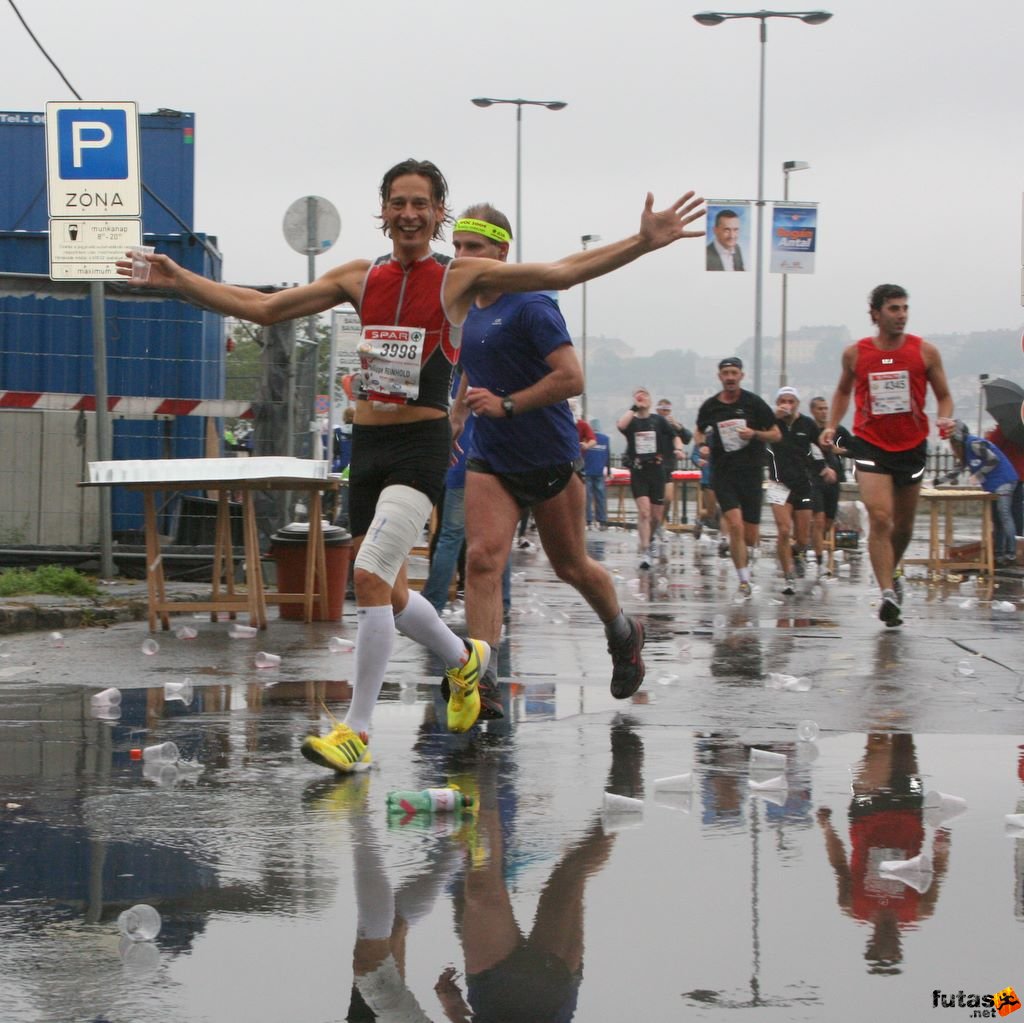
509	406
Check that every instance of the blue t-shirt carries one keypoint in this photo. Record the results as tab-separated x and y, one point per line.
504	348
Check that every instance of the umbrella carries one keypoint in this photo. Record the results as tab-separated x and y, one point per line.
1003	402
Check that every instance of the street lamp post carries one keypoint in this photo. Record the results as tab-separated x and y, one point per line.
585	240
548	104
787	168
710	19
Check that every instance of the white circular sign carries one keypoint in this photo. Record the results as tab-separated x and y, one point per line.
311	225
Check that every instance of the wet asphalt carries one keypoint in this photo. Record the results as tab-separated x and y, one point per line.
286	892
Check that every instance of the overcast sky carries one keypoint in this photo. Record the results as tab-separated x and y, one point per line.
909	113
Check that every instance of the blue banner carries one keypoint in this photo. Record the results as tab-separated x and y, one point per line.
794	238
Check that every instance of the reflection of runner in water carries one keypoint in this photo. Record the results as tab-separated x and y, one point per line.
885	824
384	916
534	978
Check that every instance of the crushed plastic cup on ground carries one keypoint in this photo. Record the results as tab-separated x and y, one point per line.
185	632
106	698
940	807
265	660
239	631
337	645
764	760
140	923
969	604
56	638
164	752
667	679
965	668
808	730
161	772
1015	820
922	863
179	691
774	784
915	873
150	647
790	683
622	804
1004	606
675	783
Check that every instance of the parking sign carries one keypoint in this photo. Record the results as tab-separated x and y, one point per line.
92	160
94	188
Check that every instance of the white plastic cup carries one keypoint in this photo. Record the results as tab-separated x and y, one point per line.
940	807
667	679
808	730
161	772
622	804
675	783
106	698
767	760
140	265
56	639
239	631
150	647
185	632
140	923
179	691
265	660
920	864
965	668
718	622
162	753
1014	820
775	784
337	645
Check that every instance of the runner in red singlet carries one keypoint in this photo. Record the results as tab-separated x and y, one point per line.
888	376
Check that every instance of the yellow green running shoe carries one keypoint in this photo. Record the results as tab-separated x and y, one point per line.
464	687
340	749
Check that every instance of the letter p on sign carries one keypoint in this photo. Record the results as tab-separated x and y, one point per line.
93	145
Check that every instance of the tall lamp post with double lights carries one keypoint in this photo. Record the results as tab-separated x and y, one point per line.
548	104
585	240
787	168
710	19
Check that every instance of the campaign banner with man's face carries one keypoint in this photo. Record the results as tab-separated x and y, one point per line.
728	234
794	238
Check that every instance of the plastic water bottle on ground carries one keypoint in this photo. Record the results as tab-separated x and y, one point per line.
439	800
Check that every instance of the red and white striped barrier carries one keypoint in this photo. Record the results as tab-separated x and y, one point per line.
50	401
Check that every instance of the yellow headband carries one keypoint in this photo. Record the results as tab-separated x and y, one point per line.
492	231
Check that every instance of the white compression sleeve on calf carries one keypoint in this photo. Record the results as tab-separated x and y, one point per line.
375	639
420	622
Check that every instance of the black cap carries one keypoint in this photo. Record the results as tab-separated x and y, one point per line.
733	360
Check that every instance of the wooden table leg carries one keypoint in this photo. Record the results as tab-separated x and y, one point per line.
987	544
314	547
155	587
253	567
